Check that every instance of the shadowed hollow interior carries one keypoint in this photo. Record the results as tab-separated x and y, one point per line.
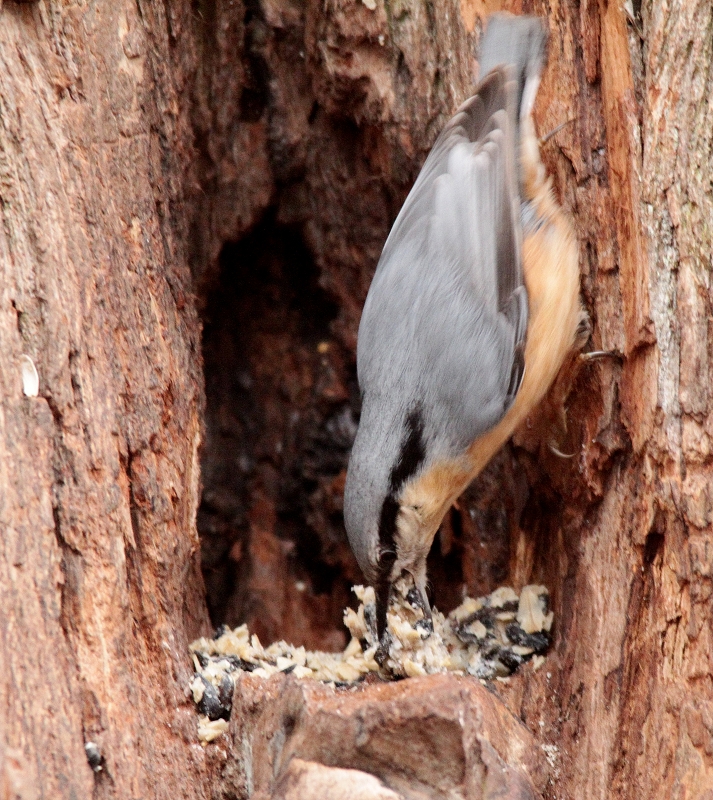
282	411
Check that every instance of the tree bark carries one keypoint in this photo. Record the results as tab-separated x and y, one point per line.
99	474
241	162
631	678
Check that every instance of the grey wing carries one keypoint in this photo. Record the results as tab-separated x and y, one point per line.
445	321
492	108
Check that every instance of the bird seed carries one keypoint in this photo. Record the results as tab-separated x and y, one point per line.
488	637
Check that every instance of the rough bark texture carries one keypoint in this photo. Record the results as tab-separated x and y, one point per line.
100	587
265	147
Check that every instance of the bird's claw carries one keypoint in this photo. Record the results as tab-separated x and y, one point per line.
556	451
544	139
594	355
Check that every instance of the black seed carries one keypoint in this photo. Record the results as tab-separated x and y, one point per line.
94	756
425	626
238	663
467	636
539	641
211	703
414	598
225	693
203	659
510	660
484	615
490	650
221	630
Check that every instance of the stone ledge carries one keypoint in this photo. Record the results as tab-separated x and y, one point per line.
439	736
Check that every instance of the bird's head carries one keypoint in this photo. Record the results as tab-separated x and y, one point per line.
395	497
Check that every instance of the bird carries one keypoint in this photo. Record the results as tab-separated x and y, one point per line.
472	310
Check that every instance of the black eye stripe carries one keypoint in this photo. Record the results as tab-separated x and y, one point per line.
387	527
412	455
413	452
387	554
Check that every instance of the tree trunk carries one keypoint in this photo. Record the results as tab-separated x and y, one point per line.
99	474
237	164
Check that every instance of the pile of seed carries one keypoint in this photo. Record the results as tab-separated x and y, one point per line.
488	637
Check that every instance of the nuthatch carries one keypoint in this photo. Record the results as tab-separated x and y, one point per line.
472	310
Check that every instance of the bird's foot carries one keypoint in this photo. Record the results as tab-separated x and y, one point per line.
594	355
556	451
544	139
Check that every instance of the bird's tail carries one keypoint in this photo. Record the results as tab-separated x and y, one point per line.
520	45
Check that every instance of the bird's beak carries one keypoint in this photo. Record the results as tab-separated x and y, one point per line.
417	597
383	595
382	592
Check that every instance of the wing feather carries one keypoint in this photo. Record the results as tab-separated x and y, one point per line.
445	320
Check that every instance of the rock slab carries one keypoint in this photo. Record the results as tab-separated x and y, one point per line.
440	736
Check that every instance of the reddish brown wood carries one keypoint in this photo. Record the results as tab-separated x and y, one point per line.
135	141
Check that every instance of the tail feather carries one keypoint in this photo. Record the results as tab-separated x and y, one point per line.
520	45
516	42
